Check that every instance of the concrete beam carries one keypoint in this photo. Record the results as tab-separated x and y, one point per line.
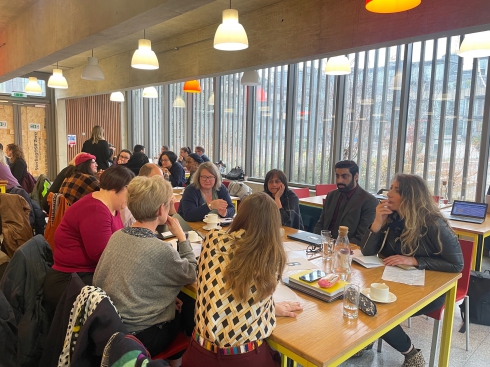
53	30
287	31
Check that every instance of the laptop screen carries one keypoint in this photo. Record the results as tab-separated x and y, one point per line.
469	209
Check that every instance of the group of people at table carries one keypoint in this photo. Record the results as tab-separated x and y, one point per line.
238	269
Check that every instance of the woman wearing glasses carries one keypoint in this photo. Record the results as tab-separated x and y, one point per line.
80	179
206	195
170	166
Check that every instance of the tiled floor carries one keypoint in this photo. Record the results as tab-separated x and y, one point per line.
421	334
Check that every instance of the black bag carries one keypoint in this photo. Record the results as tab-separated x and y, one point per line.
479	294
236	174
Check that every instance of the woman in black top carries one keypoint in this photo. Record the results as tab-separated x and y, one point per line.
170	166
18	165
276	185
99	147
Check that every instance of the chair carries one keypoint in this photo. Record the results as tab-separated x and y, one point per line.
302	192
180	343
461	293
176	206
324	189
226	183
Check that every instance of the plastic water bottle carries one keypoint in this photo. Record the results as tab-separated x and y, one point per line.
342	254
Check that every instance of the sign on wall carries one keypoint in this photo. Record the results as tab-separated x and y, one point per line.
72	140
34	127
3	124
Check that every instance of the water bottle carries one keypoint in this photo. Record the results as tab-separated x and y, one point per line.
342	255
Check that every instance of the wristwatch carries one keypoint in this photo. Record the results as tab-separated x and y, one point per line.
209	206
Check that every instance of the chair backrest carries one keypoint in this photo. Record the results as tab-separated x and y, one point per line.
303	192
324	189
467	248
226	183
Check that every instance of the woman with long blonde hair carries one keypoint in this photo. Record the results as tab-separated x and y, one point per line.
409	230
238	272
98	146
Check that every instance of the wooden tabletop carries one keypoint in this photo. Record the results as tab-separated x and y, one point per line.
313	200
480	229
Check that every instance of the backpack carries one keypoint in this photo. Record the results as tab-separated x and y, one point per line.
236	173
239	189
479	294
28	182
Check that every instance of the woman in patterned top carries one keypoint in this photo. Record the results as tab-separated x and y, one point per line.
237	274
80	179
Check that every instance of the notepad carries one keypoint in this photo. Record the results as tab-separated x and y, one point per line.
331	291
367	261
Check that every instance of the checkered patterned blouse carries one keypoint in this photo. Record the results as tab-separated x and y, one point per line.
219	317
77	186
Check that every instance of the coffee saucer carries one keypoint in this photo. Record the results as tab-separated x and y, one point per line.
207	221
367	291
210	228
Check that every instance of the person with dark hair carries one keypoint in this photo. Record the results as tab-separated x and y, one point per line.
18	165
98	146
410	230
184	152
170	166
276	186
164	148
200	151
136	161
124	156
80	179
138	148
193	161
349	205
84	232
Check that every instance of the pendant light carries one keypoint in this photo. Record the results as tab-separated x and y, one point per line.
150	92
396	82
210	100
338	65
57	80
179	102
230	35
250	78
92	70
475	45
192	86
391	6
33	87
144	57
117	97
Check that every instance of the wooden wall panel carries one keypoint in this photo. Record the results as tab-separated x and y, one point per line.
84	113
7	115
34	142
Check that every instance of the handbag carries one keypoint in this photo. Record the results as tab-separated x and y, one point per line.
28	182
479	295
236	174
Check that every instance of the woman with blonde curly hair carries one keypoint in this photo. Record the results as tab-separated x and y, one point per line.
98	146
409	230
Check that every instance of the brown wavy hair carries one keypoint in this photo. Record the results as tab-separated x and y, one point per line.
259	256
15	152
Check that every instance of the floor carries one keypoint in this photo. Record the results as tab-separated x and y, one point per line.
421	334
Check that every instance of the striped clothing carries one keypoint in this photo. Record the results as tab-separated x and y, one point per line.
77	186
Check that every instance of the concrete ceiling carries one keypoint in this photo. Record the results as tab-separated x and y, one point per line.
11	9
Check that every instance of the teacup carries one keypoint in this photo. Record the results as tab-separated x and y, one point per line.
211	218
192	236
379	292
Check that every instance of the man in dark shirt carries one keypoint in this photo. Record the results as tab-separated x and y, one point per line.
200	152
349	205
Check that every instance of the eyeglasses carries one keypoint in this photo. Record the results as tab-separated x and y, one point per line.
208	178
311	249
93	162
123	157
165	160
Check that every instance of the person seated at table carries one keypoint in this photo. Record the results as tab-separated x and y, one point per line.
80	179
276	186
172	168
136	161
124	156
206	194
238	271
410	230
193	161
84	232
149	273
349	205
18	165
184	152
5	173
199	150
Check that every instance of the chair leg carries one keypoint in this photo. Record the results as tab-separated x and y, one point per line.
380	345
467	320
409	322
433	347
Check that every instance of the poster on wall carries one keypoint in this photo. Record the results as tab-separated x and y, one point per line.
3	124
72	140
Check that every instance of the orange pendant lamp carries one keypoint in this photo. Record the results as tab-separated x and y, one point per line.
192	86
391	6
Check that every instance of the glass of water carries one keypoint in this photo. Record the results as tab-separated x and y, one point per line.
327	245
351	301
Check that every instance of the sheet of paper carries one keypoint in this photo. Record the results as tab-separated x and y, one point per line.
298	263
367	261
196	246
293	246
285	294
410	277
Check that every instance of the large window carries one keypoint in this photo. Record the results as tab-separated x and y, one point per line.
178	117
203	117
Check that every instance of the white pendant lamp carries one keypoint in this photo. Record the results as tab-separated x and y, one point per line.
179	102
92	70
33	86
150	92
338	65
57	80
475	45
250	78
144	57
230	35
210	100
117	97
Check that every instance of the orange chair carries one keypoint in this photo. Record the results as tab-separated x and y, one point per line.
180	343
303	192
324	189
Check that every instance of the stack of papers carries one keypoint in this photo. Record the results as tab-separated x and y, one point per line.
367	261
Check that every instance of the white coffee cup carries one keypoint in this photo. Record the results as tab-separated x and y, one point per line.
192	236
211	218
379	292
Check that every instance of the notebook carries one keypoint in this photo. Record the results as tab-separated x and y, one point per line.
313	289
467	211
307	237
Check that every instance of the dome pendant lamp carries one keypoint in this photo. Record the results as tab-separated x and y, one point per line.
230	35
179	102
150	92
250	78
338	65
475	45
192	86
33	87
92	70
391	6
144	57
117	97
57	80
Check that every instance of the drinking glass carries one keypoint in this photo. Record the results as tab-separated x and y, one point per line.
351	301
327	243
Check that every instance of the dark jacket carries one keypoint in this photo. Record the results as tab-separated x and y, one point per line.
54	188
449	260
8	334
177	175
290	214
358	214
22	284
193	207
101	151
19	169
136	161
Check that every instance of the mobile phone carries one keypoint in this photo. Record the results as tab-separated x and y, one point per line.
226	222
311	277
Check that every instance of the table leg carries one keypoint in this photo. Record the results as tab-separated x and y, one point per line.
447	326
479	254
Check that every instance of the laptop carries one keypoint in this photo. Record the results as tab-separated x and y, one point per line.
467	211
307	237
165	233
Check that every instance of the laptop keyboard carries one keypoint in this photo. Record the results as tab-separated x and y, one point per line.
465	219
